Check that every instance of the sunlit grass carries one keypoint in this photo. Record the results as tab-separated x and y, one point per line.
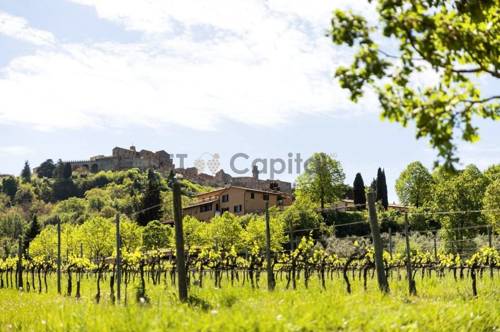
442	304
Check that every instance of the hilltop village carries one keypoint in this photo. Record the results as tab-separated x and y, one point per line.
122	159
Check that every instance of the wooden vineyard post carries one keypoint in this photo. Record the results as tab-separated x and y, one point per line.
58	255
179	242
118	259
390	242
270	274
20	264
377	243
411	283
435	247
490	244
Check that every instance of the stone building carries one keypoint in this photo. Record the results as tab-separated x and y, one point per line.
237	200
124	159
221	179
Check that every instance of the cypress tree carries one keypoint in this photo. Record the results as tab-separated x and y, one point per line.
359	192
373	185
63	186
59	170
379	185
67	171
384	197
32	232
26	172
151	202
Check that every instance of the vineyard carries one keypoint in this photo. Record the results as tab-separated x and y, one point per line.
122	256
228	284
209	267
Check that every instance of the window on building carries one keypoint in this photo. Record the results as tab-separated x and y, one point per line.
224	210
225	198
206	207
238	208
266	197
252	195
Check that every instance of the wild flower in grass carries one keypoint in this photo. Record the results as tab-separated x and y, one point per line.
142	300
214	312
279	317
44	322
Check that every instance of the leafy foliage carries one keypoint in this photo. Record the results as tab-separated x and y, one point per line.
322	180
455	41
26	172
491	204
414	185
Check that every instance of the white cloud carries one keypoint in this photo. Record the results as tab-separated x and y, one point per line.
253	62
155	16
480	154
14	150
18	28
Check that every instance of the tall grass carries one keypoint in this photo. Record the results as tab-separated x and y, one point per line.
442	304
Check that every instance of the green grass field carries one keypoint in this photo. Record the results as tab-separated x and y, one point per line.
441	305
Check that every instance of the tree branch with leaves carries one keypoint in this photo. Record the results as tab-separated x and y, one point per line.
458	41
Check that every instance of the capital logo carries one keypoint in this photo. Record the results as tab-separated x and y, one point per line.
208	161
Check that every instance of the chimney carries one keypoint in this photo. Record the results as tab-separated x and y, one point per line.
255	172
132	148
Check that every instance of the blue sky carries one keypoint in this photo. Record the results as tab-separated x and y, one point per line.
78	77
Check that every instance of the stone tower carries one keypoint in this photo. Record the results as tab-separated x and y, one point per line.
255	172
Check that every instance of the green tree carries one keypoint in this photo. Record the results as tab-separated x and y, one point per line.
12	225
46	169
456	40
255	233
359	192
9	186
131	235
196	233
59	169
64	187
322	179
382	188
414	185
24	195
26	172
98	238
461	192
32	231
151	202
491	204
156	236
98	198
301	217
44	246
225	231
493	172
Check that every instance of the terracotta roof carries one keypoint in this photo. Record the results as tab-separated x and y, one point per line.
201	203
243	188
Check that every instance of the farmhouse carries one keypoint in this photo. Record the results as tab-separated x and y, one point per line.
237	200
